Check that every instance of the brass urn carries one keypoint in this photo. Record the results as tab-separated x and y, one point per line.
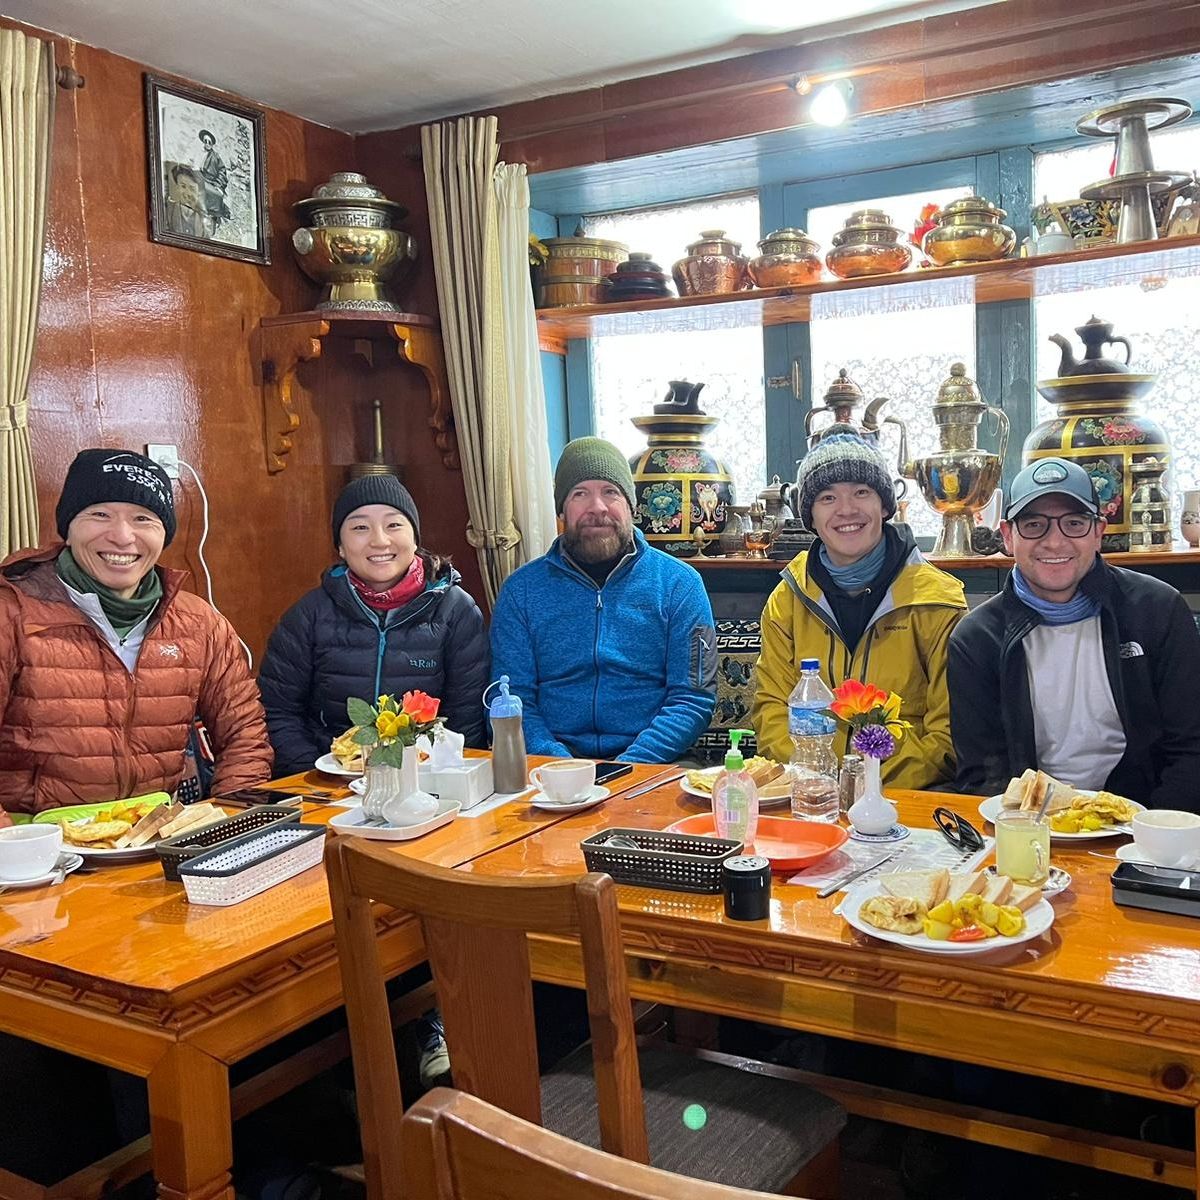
787	257
958	479
868	244
714	265
349	245
969	230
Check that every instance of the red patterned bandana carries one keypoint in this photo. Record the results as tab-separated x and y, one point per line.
407	588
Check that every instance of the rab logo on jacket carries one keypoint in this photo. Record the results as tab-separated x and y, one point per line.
170	650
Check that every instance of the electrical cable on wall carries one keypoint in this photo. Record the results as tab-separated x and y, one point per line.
200	554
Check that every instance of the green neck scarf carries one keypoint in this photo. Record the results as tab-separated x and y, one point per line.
122	614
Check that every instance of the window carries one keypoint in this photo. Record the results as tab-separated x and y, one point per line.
1160	322
905	355
630	371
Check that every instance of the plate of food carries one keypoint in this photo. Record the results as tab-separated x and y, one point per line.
345	757
774	784
127	830
1075	814
937	912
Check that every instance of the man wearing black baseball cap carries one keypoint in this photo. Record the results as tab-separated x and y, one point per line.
1090	668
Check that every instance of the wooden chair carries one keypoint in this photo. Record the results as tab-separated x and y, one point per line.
457	1147
756	1131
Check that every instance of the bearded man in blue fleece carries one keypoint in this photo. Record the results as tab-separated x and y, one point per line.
609	643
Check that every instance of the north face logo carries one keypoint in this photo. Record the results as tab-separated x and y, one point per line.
170	650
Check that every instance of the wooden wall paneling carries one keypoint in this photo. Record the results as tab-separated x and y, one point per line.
140	342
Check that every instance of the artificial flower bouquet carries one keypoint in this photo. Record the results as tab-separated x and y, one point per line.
384	728
873	716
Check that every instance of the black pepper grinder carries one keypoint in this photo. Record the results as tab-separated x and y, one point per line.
746	886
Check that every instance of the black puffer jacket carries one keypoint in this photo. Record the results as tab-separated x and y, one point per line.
330	646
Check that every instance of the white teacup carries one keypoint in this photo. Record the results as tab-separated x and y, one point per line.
29	851
567	779
1168	837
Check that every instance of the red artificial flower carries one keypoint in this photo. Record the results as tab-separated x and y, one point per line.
420	706
853	699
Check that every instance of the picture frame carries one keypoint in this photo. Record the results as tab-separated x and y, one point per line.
208	172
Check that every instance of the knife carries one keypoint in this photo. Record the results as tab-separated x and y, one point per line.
656	782
841	882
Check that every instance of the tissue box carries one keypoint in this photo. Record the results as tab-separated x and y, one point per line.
469	784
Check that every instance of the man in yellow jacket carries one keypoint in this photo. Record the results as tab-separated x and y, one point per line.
867	605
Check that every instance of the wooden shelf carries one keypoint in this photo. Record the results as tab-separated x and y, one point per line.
1178	556
1146	264
285	341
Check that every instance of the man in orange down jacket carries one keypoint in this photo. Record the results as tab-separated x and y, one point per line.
105	661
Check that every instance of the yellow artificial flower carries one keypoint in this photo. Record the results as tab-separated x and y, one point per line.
389	724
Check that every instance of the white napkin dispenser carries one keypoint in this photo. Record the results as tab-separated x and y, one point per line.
469	783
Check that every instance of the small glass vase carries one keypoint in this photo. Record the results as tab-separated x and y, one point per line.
872	813
389	783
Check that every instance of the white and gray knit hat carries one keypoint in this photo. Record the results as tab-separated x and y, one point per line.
843	458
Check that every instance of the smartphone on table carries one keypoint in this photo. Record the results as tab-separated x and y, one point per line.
259	795
606	772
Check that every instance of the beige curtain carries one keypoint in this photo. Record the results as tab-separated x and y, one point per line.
460	162
533	479
26	127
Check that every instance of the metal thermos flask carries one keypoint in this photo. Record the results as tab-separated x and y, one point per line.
509	766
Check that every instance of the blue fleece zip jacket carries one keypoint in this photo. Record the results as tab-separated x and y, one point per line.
625	671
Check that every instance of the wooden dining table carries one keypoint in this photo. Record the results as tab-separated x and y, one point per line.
116	966
1108	997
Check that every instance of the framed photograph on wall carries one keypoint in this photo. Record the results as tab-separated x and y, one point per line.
208	172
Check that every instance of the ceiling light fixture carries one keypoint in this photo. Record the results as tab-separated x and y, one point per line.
831	103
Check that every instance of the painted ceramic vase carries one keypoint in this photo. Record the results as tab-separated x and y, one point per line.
1189	520
1098	425
682	489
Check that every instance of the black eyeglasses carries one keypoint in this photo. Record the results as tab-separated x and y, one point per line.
1072	525
958	831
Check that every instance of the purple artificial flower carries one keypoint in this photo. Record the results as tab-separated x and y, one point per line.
874	741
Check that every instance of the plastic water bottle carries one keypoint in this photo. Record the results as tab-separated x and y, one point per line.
735	796
814	767
509	766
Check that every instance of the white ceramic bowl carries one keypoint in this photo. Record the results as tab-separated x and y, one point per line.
27	851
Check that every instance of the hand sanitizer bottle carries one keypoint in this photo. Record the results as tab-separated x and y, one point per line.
735	796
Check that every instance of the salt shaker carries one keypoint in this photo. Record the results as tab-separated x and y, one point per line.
851	781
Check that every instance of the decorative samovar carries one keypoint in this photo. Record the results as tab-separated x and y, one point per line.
958	479
681	487
1098	426
350	246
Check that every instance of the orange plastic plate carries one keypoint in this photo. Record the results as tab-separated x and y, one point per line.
788	843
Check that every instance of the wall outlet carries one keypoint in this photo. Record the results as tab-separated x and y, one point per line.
167	457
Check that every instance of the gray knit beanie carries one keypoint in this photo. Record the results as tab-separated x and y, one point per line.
375	489
591	458
843	458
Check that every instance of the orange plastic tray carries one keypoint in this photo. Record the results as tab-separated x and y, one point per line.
788	843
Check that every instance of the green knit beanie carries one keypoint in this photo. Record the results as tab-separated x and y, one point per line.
591	458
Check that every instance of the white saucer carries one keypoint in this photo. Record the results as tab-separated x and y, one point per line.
1131	854
593	795
73	863
897	833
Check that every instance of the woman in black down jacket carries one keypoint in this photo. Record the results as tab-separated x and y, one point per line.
388	619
